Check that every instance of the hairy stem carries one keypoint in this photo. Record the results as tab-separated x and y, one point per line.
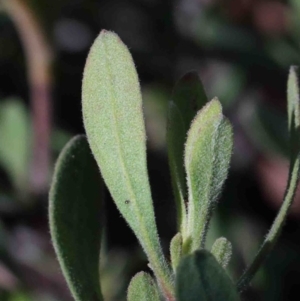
275	230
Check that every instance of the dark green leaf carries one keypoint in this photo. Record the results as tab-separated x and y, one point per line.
188	97
75	218
199	277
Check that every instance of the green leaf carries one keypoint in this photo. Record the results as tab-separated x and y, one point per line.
75	218
293	97
20	296
207	156
176	250
113	119
294	169
188	97
200	277
142	288
15	137
222	250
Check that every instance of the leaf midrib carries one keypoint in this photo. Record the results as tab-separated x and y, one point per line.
147	242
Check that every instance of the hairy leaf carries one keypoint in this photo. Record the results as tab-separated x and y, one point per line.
142	288
200	277
293	96
207	155
113	119
75	218
222	250
188	97
176	250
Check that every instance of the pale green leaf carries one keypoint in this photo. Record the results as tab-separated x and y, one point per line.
188	97
113	119
293	107
75	218
293	98
176	250
222	250
207	156
142	288
199	277
15	142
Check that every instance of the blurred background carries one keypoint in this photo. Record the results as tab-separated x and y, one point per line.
242	50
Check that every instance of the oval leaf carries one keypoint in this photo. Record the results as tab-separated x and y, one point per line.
75	218
200	277
222	250
15	137
207	155
188	97
142	288
113	119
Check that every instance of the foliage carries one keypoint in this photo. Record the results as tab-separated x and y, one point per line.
200	146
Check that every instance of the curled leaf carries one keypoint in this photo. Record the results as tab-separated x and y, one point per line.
207	156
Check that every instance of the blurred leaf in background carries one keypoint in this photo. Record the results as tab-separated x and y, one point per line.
15	143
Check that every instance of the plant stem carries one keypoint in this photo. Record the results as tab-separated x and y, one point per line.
39	57
276	228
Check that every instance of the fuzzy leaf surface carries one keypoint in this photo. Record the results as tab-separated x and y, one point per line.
113	119
188	97
142	288
207	156
222	250
200	277
176	250
75	218
293	96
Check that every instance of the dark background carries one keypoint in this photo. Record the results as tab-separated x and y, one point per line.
242	50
